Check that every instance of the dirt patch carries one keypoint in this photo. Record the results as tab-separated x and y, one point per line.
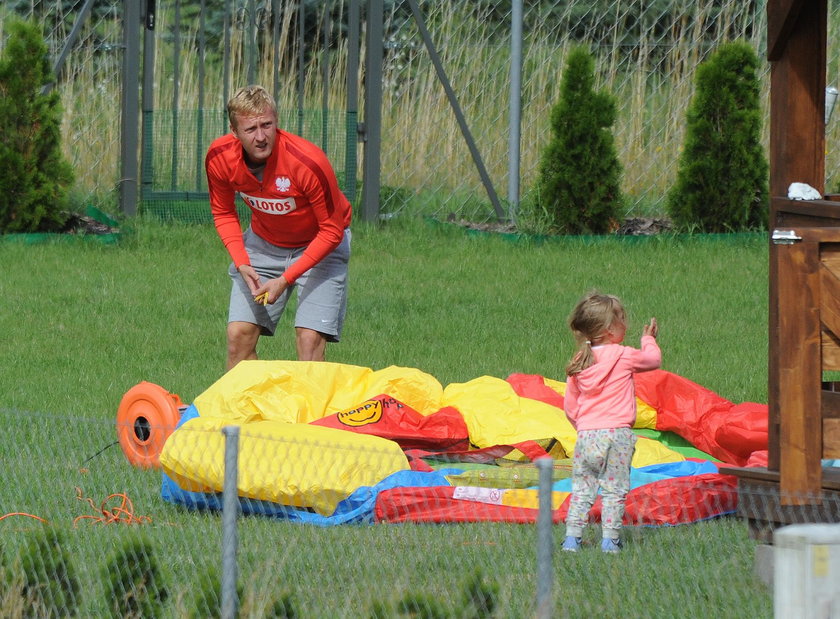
82	224
644	226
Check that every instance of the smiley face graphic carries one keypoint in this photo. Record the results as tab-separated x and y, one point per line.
365	414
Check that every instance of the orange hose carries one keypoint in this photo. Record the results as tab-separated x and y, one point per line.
22	514
124	513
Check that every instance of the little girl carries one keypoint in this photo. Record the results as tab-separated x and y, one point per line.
600	402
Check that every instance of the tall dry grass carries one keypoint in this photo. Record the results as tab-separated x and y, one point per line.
652	83
423	151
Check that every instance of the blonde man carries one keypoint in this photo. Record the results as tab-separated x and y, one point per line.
299	237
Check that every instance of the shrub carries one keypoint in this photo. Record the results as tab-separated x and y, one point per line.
48	582
35	179
11	600
423	606
133	583
207	595
206	601
722	179
580	175
284	607
479	601
480	596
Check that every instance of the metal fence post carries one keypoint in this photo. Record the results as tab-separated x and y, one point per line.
545	540
230	513
148	100
130	108
353	39
371	166
301	76
515	120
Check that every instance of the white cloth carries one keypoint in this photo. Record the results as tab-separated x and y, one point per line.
803	191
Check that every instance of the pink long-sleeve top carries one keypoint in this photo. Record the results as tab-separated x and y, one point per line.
603	395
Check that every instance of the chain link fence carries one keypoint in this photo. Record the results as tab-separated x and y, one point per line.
85	532
297	50
646	54
85	40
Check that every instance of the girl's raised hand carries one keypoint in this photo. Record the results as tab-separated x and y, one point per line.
651	328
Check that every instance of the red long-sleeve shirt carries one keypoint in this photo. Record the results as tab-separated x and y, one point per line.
297	203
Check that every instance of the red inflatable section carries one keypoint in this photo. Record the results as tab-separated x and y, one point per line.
733	433
668	502
436	504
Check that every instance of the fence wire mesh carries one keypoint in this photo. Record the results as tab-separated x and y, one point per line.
646	55
89	83
86	532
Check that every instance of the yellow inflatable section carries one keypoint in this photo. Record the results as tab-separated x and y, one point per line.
276	461
496	415
285	460
303	391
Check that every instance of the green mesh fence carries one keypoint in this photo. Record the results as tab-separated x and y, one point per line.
174	185
647	53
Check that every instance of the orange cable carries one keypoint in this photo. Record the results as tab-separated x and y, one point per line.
124	513
22	514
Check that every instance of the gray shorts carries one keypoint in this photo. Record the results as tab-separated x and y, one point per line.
321	291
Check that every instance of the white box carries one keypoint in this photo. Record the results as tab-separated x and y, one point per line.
806	575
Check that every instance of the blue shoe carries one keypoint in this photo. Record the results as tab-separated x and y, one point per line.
610	545
571	544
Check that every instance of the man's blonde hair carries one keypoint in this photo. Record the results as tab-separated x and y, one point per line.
250	101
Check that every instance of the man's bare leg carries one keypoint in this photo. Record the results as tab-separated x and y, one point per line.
311	345
242	340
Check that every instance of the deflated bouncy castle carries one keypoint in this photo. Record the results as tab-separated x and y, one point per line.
327	444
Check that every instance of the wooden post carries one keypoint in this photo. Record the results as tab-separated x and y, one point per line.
799	368
797	51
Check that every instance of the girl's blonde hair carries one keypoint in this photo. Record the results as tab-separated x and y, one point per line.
250	101
594	314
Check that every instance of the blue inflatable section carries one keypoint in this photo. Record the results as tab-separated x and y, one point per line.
655	472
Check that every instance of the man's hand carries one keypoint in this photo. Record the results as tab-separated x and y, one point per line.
252	279
271	290
651	329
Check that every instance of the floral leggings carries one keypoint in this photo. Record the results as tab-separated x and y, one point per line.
602	458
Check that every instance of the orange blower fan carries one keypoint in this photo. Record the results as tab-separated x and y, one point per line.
147	415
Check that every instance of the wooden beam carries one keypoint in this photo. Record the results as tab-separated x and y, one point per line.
762	505
831	438
829	299
781	19
797	104
800	373
830	406
797	154
830	352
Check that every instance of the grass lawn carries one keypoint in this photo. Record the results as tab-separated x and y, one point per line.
84	322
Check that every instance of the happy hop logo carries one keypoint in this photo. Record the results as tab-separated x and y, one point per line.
282	183
367	413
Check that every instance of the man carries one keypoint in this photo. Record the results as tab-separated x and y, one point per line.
299	235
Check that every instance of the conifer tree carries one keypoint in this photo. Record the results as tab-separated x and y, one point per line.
35	175
722	179
580	175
